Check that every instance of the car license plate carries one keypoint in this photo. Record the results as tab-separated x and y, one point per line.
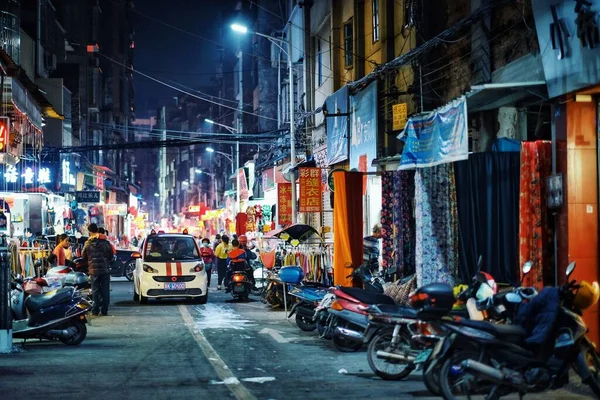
423	356
175	286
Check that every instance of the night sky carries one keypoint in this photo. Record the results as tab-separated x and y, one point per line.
171	55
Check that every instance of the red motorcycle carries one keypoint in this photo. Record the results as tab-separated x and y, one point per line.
348	318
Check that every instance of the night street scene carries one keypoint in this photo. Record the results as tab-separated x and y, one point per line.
299	199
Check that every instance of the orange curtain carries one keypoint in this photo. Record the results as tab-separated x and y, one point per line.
347	222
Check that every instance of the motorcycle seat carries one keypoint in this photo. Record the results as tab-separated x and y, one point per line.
398	311
367	297
512	333
36	302
315	285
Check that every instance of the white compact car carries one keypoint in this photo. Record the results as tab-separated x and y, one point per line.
169	265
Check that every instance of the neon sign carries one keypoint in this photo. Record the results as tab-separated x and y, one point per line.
67	177
11	175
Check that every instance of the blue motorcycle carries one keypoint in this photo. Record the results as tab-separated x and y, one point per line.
309	295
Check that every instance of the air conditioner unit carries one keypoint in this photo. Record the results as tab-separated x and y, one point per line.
50	61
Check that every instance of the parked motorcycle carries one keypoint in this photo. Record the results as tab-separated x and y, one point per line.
308	296
57	315
478	357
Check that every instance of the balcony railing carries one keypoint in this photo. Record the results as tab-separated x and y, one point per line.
10	22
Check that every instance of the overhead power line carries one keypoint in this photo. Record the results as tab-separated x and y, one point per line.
181	90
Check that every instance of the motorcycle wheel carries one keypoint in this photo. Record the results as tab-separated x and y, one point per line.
451	382
259	290
399	369
305	323
78	336
432	378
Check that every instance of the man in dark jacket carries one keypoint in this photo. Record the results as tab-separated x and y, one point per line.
97	254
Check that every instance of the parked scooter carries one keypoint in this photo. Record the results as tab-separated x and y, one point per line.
57	315
308	296
479	357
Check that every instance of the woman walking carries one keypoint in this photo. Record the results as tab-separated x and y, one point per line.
221	253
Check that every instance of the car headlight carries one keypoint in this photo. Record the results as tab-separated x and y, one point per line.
197	268
149	269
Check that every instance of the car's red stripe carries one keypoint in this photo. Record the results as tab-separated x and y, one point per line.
168	269
179	270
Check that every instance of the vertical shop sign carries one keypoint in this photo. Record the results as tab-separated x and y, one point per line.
363	129
4	134
284	202
337	126
311	199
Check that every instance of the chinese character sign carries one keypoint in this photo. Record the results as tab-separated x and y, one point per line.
284	202
311	198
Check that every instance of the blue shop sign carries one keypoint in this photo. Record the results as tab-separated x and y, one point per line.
28	175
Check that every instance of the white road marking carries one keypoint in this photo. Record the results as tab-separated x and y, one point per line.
232	383
260	379
215	316
274	334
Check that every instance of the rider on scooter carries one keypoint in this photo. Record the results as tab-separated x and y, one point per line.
237	260
250	255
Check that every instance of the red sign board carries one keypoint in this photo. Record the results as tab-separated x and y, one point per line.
4	133
311	197
284	202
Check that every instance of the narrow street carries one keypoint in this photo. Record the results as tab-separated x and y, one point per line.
177	350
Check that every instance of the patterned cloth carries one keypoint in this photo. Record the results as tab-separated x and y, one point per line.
535	233
436	250
397	221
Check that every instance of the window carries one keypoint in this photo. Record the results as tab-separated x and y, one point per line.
319	63
375	9
167	249
348	44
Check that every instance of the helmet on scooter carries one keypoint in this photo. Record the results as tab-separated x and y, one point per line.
487	287
243	240
587	295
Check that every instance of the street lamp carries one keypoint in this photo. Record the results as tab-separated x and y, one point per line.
278	42
229	128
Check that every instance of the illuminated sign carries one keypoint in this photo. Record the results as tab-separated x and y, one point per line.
194	209
67	177
11	175
4	133
44	176
28	176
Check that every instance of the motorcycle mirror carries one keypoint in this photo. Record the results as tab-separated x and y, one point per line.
513	298
570	268
527	267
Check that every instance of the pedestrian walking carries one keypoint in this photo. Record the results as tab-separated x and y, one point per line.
221	252
208	256
97	254
217	241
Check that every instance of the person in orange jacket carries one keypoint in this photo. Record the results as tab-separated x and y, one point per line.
238	261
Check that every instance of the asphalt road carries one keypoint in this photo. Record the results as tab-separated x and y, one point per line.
177	350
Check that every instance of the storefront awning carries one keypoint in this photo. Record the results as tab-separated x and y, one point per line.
490	96
102	168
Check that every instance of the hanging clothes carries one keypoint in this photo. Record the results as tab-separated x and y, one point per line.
436	245
535	233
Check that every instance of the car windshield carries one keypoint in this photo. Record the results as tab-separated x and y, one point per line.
171	249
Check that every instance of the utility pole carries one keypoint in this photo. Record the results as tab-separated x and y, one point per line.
292	125
240	129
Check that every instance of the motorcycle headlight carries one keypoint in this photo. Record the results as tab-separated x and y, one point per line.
197	268
149	269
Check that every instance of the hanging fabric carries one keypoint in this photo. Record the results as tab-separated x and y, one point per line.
487	191
535	233
347	221
436	245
